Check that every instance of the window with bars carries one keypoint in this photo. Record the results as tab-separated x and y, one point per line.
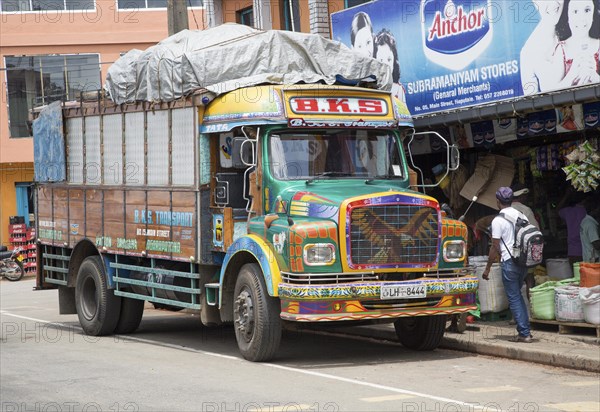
152	4
291	15
246	16
39	80
13	6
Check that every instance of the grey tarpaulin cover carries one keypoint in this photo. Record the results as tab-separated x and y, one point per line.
231	56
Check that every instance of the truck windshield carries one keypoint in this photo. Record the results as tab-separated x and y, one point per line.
371	154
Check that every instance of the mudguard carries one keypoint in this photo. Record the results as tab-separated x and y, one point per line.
264	255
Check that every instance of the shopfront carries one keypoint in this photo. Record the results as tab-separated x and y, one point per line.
502	80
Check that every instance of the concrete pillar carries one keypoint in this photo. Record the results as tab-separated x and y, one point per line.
177	15
319	17
262	15
213	13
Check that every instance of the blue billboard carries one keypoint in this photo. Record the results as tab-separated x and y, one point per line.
450	54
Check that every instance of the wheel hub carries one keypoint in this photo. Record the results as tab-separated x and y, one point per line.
244	315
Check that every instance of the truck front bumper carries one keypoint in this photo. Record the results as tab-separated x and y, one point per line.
363	301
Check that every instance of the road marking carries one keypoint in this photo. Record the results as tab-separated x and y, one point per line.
472	406
386	398
576	406
291	407
581	383
505	388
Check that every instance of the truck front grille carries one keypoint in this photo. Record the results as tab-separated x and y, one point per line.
400	234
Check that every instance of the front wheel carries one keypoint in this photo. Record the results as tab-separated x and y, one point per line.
422	332
98	308
256	317
13	270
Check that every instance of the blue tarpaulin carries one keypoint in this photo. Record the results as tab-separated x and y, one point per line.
49	145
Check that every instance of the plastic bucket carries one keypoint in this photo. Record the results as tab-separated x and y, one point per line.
576	270
568	306
559	268
590	299
542	301
589	274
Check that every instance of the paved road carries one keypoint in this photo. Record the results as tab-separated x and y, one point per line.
172	363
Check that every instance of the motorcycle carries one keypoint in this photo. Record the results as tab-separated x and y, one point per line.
11	263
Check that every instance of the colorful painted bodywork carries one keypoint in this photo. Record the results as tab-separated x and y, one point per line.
264	254
349	301
315	220
304	214
274	104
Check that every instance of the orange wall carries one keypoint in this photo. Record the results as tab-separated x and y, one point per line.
230	7
11	173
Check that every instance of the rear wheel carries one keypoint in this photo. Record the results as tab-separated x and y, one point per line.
421	332
98	308
256	317
132	311
14	270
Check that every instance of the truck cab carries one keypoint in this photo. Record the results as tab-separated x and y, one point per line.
331	227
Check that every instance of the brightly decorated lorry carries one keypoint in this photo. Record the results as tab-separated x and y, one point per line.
267	205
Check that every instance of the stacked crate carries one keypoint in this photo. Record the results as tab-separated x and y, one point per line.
22	236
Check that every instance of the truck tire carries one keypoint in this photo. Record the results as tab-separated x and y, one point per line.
98	308
256	319
132	311
422	332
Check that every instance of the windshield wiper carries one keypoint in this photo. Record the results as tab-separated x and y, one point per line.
326	174
384	177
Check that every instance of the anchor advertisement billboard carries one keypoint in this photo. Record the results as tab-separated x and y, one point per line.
451	54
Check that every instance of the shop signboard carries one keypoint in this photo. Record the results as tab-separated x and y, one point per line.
451	54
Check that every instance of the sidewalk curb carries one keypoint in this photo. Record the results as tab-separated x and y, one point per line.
516	351
545	357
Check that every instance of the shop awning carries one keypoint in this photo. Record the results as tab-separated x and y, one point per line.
510	108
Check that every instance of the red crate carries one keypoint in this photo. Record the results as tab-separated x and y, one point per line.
19	226
17	240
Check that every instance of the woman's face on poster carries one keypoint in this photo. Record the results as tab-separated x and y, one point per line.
550	10
385	55
363	42
581	15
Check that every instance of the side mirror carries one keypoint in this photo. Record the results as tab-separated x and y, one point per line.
242	155
454	158
452	155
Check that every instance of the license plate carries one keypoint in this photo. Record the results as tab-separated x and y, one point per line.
20	258
403	292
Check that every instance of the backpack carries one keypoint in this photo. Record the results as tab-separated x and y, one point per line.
529	243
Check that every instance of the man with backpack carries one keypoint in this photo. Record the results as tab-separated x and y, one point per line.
513	274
